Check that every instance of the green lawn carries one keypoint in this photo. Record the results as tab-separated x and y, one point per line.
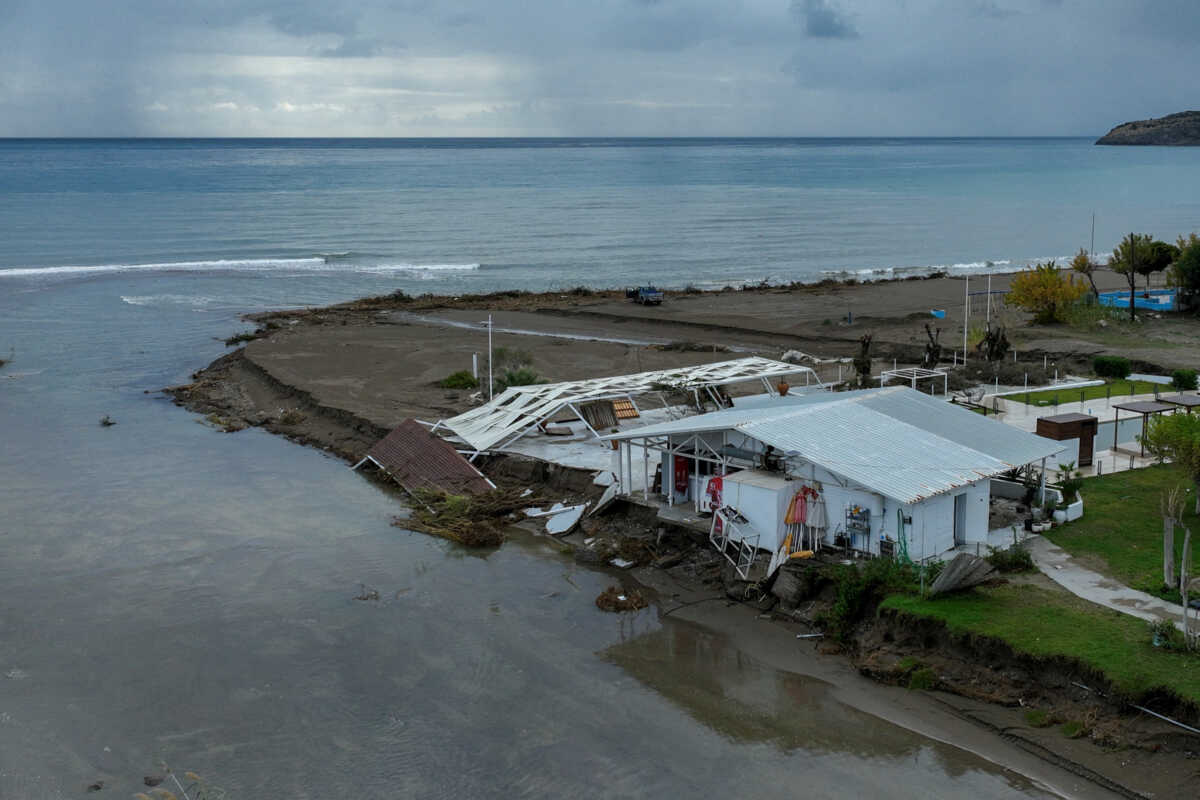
1114	389
1041	622
1122	526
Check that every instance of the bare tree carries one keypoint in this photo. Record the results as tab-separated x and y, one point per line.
933	350
1186	562
862	362
1171	506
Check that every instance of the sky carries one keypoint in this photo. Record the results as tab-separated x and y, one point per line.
593	68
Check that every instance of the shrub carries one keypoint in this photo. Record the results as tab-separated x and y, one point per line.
1111	367
503	357
1164	634
858	588
1185	272
459	380
922	678
1015	559
1045	291
1183	379
521	376
238	338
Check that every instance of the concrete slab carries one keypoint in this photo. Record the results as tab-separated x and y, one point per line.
1062	568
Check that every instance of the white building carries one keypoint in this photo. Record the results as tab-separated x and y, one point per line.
882	471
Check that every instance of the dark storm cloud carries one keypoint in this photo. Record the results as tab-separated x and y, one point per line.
544	67
823	19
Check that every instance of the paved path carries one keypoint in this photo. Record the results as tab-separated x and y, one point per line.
1065	570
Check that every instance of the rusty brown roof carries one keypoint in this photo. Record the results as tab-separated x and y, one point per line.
416	458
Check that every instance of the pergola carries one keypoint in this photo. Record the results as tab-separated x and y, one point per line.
914	374
1188	401
519	409
1144	407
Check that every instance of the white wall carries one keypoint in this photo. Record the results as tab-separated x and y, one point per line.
933	518
931	533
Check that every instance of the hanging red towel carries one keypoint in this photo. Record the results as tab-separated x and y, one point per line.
681	473
714	491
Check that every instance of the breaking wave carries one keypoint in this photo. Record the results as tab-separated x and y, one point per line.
319	264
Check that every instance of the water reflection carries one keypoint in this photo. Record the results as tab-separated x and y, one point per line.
748	702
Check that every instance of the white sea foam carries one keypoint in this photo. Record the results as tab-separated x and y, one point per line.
232	265
195	301
889	273
381	268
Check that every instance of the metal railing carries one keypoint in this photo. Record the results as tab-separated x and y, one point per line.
744	537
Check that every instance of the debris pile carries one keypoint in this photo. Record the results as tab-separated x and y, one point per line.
470	520
618	600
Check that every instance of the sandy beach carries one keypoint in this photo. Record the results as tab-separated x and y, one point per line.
357	369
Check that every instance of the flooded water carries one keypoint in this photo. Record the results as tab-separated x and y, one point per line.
176	595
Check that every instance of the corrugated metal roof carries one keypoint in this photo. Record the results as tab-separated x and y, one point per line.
416	458
894	441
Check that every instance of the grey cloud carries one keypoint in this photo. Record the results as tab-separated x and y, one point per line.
300	21
359	47
823	20
544	67
992	10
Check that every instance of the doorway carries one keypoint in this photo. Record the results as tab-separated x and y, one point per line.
960	519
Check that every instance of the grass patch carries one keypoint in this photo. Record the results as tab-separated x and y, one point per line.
1037	718
1115	390
1122	526
1043	623
1073	729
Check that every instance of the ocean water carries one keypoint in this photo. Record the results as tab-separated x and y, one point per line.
169	594
344	216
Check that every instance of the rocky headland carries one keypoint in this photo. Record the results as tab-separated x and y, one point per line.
1174	130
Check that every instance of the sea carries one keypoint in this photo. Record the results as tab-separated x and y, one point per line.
174	598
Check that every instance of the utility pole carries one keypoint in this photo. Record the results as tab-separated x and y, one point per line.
489	326
988	318
966	313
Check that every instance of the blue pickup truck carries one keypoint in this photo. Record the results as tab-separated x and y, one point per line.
646	295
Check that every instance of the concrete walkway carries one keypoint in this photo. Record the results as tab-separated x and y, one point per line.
1065	570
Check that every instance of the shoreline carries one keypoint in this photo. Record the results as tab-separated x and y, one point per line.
338	378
